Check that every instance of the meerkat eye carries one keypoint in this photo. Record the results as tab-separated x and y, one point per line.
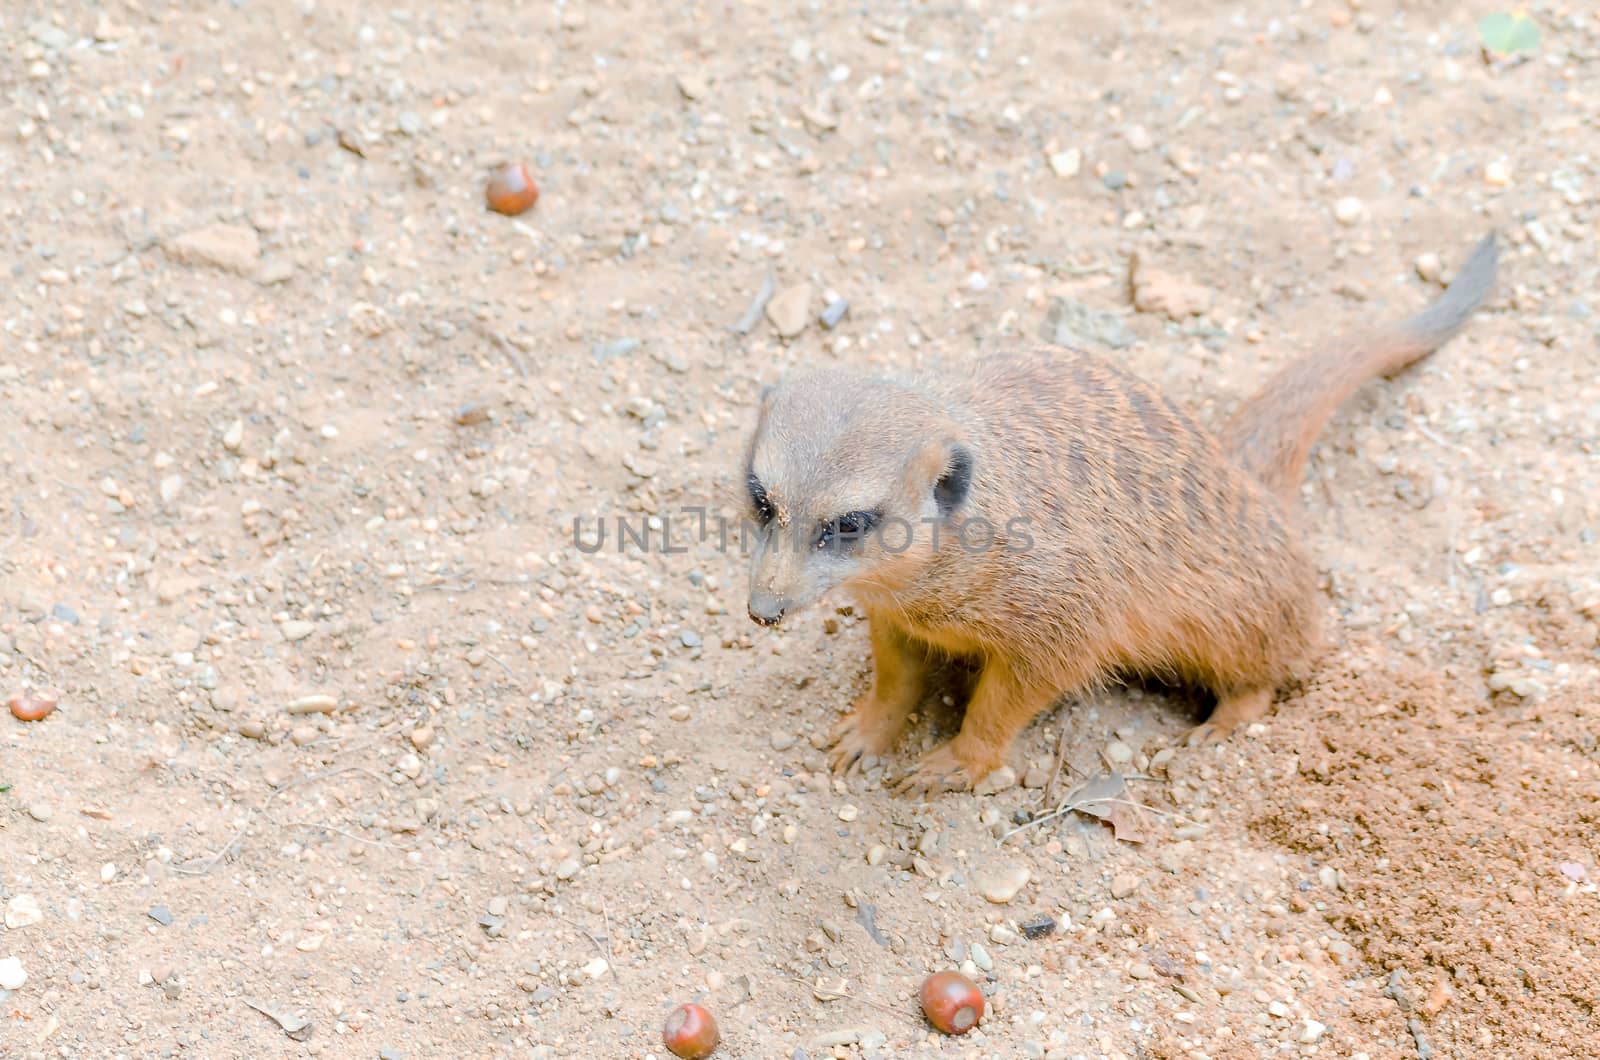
759	499
848	528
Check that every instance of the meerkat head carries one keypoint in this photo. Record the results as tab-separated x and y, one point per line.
846	479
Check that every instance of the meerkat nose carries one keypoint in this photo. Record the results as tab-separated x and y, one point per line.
767	609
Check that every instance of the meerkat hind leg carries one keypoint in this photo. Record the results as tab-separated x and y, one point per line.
900	669
1000	708
1234	710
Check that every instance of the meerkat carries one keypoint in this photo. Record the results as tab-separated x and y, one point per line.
1116	535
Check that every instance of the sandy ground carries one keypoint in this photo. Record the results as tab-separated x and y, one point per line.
353	742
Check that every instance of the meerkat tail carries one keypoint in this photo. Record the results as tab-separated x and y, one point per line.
1272	433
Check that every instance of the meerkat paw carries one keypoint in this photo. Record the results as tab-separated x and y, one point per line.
860	734
943	769
1232	712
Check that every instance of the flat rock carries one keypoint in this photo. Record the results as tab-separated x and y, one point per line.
789	310
232	248
1000	883
1079	327
23	911
1158	291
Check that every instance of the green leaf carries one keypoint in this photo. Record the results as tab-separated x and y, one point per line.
1503	33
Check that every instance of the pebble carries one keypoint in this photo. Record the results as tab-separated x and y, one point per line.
876	853
1066	164
1429	267
40	811
12	974
409	766
1078	326
313	704
782	741
422	737
567	869
231	248
997	781
1497	174
833	312
1138	138
1001	883
1312	1032
1118	753
1039	927
171	487
596	968
297	629
980	957
23	911
1156	291
789	310
1123	884
161	915
848	812
1348	210
108	872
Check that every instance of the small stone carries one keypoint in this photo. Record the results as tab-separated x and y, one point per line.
422	737
1156	291
1429	267
40	811
1118	753
409	766
317	703
108	872
782	741
233	437
1077	326
1278	1009
980	957
692	86
161	915
1001	883
567	869
1312	1032
789	310
833	312
171	487
1141	970
1123	884
876	853
297	629
303	735
1497	174
1065	164
1039	927
232	248
1348	210
1036	777
1138	138
997	781
596	968
12	975
848	813
23	911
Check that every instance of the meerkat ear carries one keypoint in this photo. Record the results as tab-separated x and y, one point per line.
951	489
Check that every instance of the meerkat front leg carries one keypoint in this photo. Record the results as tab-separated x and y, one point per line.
1002	705
899	676
1233	710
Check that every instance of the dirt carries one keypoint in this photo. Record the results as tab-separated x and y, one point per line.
358	753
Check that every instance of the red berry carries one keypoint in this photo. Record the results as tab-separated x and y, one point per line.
31	706
951	1002
691	1033
511	190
